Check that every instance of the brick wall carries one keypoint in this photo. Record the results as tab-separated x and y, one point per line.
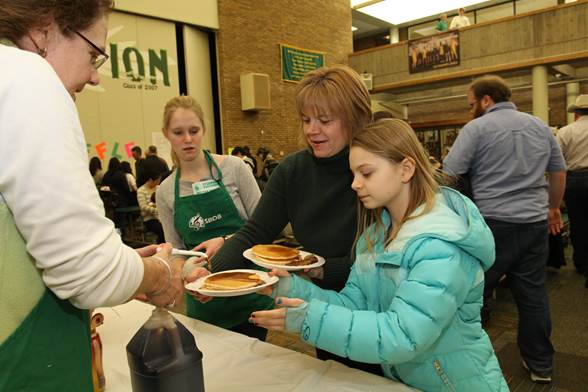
248	41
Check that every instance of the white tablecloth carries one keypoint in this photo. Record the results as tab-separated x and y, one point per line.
233	362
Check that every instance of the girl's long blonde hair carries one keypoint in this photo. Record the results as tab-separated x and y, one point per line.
184	102
395	140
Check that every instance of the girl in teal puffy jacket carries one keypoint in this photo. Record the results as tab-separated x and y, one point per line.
412	301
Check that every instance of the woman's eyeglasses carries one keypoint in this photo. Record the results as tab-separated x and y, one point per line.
96	60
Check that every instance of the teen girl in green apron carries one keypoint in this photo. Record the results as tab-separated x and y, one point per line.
208	213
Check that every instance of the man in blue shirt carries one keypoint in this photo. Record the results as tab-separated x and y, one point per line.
506	154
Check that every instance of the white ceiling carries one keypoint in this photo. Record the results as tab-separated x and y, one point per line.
373	16
390	11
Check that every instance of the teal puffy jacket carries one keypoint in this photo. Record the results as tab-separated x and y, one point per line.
413	307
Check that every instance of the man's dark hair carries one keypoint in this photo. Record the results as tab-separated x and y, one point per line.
237	150
137	149
493	86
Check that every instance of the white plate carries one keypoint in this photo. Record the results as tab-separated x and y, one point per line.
248	254
196	286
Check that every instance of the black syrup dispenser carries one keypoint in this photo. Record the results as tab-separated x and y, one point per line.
163	356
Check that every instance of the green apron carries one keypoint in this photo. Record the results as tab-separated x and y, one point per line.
200	217
48	348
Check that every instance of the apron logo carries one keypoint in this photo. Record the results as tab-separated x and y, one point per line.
197	222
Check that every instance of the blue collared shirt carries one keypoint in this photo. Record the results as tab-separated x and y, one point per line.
506	154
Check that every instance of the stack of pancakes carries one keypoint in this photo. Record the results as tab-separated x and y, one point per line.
281	255
232	281
275	254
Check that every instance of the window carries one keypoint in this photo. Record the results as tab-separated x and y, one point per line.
532	5
422	30
495	12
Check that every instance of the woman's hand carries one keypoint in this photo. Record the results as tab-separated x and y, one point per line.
275	319
210	246
314	273
194	275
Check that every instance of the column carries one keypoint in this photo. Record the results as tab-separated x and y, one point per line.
572	92
394	36
540	93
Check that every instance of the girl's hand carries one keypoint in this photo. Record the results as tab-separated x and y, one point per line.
193	276
279	273
275	319
270	289
210	246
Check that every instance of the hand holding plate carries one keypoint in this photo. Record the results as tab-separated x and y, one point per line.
194	275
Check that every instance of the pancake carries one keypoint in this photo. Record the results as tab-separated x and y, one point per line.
275	253
279	262
232	281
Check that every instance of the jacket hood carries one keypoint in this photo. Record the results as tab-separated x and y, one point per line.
455	219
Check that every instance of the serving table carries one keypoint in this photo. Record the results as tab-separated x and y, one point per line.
233	362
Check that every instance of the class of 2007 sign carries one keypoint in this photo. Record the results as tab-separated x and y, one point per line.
297	62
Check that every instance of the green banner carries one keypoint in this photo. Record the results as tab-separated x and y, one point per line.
298	62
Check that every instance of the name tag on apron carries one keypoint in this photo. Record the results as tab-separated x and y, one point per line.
206	186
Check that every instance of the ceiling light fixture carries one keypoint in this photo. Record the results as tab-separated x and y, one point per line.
391	12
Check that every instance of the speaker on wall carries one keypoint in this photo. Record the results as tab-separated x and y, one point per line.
255	91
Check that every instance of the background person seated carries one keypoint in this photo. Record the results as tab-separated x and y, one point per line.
96	170
269	163
115	178
146	201
126	167
239	152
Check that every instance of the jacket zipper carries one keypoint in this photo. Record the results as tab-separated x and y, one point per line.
443	376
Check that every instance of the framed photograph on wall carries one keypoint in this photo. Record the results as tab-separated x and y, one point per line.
436	51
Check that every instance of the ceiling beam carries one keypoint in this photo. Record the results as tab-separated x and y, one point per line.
565	69
366	4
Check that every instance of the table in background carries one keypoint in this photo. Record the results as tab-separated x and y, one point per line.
233	362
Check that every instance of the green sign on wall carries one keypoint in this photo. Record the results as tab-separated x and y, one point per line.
297	62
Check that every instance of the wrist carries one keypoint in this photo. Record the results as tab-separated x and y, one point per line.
164	275
295	317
